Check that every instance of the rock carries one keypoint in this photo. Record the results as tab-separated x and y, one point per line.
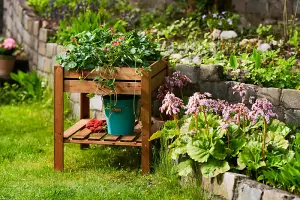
292	117
272	94
196	60
185	61
244	42
190	71
211	73
290	98
226	35
264	47
176	56
215	34
275	194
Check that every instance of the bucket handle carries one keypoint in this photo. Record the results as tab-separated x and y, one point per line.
117	110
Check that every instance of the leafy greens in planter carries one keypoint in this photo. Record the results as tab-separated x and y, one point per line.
104	47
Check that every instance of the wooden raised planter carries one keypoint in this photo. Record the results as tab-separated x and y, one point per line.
127	81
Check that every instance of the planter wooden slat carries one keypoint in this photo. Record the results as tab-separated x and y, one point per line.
72	130
83	134
157	79
120	73
93	87
97	136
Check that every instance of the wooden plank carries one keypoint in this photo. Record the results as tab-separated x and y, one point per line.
84	104
97	136
103	142
111	137
157	67
128	138
93	87
58	119
146	107
120	73
76	127
83	134
158	80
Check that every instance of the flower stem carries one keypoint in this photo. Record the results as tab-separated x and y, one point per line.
264	140
205	118
175	117
196	117
228	138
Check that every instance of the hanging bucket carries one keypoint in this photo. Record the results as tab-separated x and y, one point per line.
120	114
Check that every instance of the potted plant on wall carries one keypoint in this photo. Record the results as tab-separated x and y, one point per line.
101	52
8	48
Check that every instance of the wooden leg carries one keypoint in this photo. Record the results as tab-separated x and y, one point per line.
58	119
146	121
84	112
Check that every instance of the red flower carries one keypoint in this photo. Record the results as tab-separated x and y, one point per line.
116	43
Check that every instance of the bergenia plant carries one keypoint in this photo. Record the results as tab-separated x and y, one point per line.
7	46
197	103
171	105
176	80
262	108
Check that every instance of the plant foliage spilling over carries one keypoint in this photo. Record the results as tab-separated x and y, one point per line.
106	47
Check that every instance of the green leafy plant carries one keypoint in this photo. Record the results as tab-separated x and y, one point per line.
264	30
28	87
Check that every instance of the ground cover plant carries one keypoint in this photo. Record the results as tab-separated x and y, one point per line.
212	137
26	164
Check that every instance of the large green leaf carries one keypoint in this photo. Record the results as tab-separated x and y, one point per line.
279	127
185	168
236	145
276	141
233	61
250	156
196	150
218	150
214	167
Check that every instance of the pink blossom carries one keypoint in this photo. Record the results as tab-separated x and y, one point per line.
241	88
171	104
262	107
111	28
198	100
116	43
171	82
122	38
9	43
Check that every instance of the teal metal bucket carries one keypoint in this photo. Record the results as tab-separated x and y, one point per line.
120	114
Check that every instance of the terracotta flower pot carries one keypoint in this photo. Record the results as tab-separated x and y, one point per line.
7	64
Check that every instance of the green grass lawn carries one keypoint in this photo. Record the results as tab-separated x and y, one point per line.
101	172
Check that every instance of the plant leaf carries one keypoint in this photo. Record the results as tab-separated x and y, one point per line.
197	153
218	151
214	167
185	168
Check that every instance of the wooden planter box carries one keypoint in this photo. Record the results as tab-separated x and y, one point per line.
127	81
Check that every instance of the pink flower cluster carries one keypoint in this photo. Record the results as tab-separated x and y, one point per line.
9	44
241	88
171	82
171	104
198	100
262	107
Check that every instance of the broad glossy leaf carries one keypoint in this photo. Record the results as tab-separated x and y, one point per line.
236	145
218	150
197	151
250	156
214	167
185	168
276	141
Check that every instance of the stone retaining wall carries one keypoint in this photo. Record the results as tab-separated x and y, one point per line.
233	186
209	78
21	24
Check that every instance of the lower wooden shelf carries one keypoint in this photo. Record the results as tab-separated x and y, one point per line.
79	134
